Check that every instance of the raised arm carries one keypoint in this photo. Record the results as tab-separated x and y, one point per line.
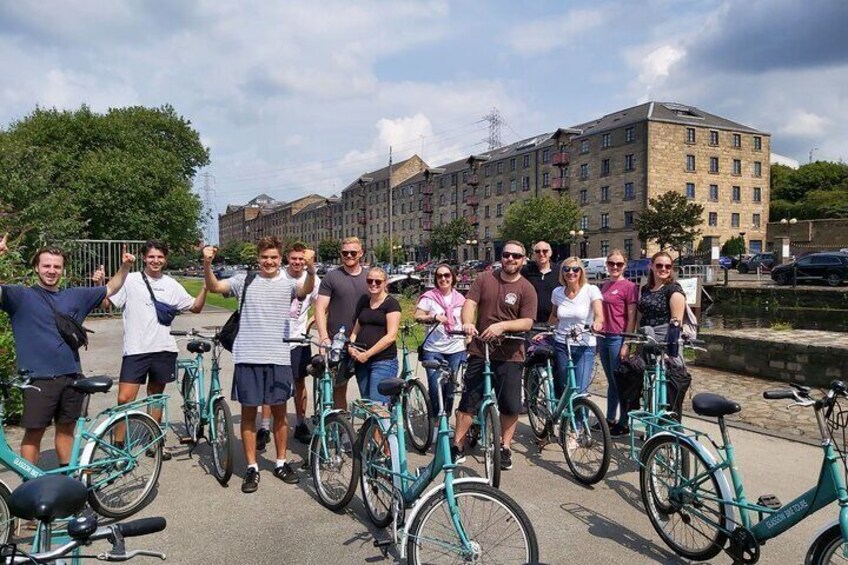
212	282
305	288
117	280
199	300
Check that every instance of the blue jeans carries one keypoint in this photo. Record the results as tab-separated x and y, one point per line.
583	357
609	349
372	373
448	389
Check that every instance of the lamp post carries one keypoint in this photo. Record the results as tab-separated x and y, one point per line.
575	235
788	222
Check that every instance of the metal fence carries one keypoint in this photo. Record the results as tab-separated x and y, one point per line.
85	256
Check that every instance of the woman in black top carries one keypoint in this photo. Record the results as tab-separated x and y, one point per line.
377	321
662	301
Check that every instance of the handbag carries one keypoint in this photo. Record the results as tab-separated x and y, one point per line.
228	332
165	313
73	332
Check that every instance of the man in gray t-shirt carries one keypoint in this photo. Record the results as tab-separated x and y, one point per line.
336	303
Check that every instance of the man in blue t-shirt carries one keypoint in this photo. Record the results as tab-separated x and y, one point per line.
42	352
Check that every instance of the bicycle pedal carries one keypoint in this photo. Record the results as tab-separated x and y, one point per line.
185	441
382	542
769	501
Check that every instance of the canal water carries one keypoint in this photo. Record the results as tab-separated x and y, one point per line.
730	316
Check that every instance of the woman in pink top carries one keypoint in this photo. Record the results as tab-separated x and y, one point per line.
620	297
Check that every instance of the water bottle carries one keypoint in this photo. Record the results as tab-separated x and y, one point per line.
338	345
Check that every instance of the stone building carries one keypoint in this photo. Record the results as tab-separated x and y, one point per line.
233	224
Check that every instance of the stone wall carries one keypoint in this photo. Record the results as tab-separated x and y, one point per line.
783	296
808	357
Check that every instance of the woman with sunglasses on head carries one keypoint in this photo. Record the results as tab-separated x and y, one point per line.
575	303
442	305
619	303
662	301
377	318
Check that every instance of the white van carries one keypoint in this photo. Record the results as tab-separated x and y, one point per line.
596	269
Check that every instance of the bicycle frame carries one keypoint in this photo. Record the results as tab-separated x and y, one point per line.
194	369
564	406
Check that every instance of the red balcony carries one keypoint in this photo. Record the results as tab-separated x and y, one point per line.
472	201
361	205
561	159
472	219
427	208
559	183
473	180
427	189
361	219
426	226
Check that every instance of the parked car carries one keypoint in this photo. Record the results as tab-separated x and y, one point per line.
637	268
831	268
726	262
596	268
756	260
406	268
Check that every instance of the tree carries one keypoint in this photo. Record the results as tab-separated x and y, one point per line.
670	220
733	246
125	174
239	253
383	251
445	237
814	190
329	250
546	218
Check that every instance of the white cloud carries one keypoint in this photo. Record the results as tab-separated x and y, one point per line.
549	33
654	67
804	124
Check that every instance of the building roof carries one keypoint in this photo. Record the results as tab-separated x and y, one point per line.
378	175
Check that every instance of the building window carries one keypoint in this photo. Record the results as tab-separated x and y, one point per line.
486	212
499	188
604	247
757	194
487	191
628	219
737	193
628	248
526	161
546	180
714	192
453	197
584	146
629	162
584	171
442	200
499	211
487	233
512	164
584	223
584	196
737	140
629	134
737	167
453	215
755	220
734	220
758	169
713	164
605	221
513	185
605	167
758	143
690	163
713	137
690	135
453	179
628	191
487	170
605	141
604	194
546	155
713	221
525	183
499	168
690	190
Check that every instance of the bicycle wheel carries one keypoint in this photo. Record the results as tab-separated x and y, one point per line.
222	447
491	434
497	527
376	483
416	410
122	475
828	548
334	471
585	441
191	406
7	521
538	403
687	514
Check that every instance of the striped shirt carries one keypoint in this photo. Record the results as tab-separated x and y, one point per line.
265	320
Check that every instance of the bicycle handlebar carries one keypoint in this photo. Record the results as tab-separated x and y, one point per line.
779	394
142	527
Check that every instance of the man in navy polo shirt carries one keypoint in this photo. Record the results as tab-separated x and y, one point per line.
40	349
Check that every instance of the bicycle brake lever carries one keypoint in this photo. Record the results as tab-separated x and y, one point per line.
126	556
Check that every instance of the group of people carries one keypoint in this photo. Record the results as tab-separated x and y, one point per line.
353	300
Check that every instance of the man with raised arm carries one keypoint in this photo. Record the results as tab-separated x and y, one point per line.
496	303
41	350
335	306
263	372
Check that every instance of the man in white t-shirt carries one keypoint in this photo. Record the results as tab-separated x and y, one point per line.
150	351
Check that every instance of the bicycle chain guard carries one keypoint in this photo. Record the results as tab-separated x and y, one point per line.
744	547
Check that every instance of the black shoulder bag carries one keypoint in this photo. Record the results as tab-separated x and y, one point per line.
73	332
228	332
165	313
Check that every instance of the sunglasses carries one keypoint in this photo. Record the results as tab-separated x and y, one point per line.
542	251
616	264
443	276
662	266
568	269
349	253
508	255
378	282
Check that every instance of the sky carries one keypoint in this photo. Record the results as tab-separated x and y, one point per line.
294	98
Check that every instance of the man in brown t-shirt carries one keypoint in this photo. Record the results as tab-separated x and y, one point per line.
497	302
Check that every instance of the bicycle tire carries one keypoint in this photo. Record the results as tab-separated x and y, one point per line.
222	448
592	437
827	548
418	417
479	505
538	403
491	435
667	462
143	441
376	486
7	521
191	406
340	457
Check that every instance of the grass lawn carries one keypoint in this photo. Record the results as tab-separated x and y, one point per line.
193	287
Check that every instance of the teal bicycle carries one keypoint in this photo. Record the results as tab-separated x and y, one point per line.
117	455
202	410
416	402
461	520
698	513
573	421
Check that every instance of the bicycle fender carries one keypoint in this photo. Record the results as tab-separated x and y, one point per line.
814	546
88	450
420	504
727	493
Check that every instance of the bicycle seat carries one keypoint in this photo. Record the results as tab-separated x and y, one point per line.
435	364
92	385
47	498
197	346
539	354
391	387
710	404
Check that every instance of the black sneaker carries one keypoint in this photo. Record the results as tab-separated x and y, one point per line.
263	436
301	433
618	430
251	481
286	474
457	454
506	458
